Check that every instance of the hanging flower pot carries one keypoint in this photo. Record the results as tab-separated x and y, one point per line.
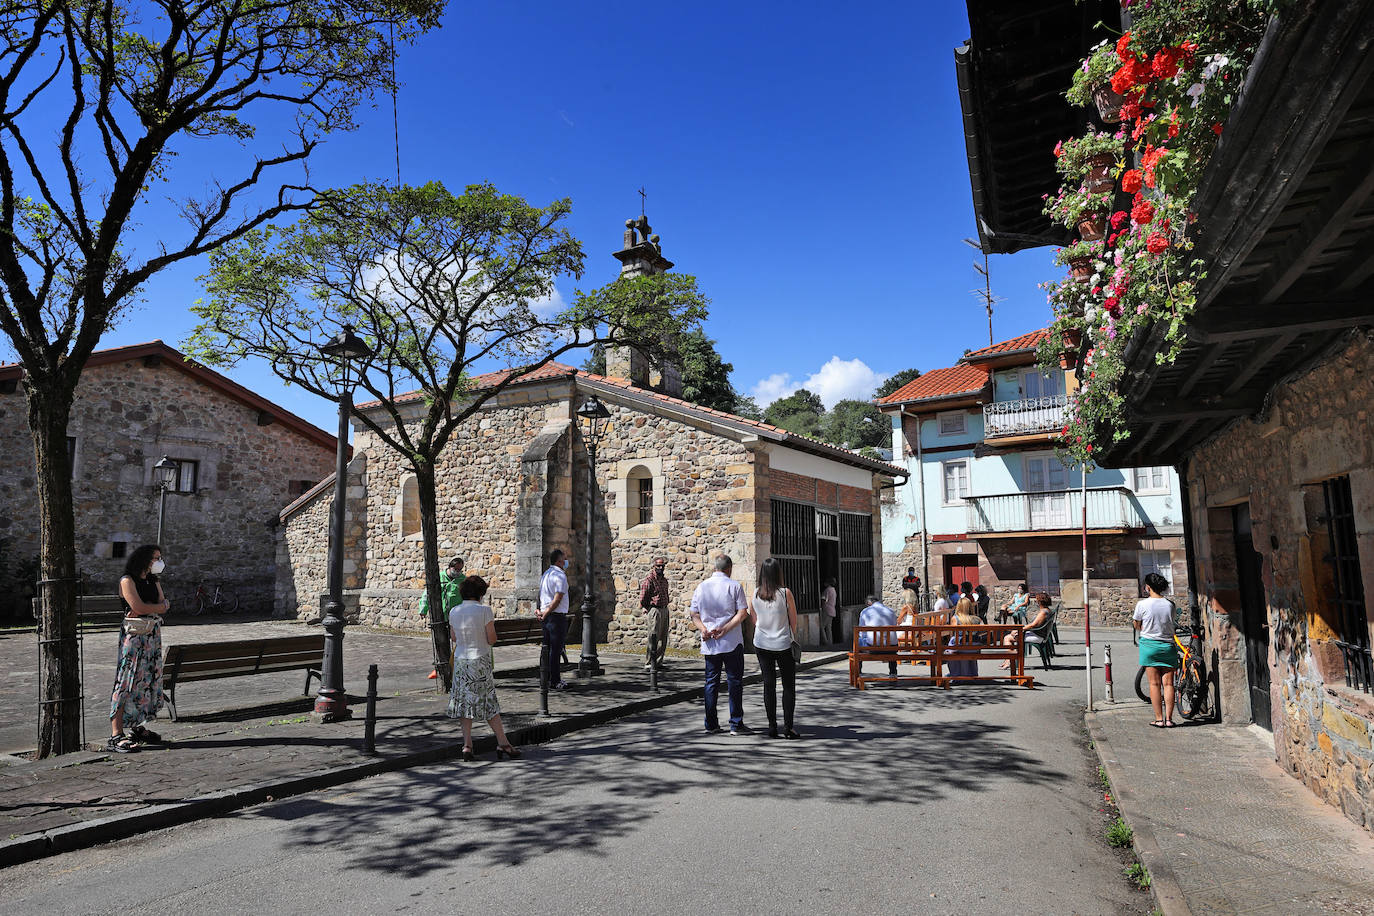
1108	102
1092	227
1099	178
1073	338
1068	359
1081	268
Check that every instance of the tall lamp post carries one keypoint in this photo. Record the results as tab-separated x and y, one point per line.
331	704
164	477
594	419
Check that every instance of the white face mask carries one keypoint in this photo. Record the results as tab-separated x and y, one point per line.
157	567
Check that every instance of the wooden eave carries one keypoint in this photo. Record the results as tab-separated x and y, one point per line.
1286	231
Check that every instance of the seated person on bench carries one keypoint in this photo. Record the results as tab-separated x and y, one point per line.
1038	621
877	614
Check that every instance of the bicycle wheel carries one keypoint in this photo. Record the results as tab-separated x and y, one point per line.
1192	691
196	606
1141	689
228	602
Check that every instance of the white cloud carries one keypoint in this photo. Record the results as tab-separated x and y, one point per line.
549	306
837	380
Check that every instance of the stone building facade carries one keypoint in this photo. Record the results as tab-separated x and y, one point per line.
1271	540
673	479
512	487
240	457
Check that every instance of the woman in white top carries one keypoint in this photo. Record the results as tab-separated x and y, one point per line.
829	622
473	629
773	611
1154	618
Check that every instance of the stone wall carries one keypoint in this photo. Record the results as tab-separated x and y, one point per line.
1317	427
127	415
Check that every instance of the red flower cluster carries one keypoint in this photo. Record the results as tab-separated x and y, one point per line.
1120	216
1165	64
1130	183
1143	212
1157	243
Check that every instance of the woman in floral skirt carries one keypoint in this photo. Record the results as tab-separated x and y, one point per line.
473	630
137	694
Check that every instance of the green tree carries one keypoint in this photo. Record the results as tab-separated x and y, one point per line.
856	425
892	383
98	99
800	412
435	283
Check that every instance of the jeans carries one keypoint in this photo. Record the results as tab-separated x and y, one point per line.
771	661
733	663
555	638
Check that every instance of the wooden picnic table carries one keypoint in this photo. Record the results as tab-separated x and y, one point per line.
930	644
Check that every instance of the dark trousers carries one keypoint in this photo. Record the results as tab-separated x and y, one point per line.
836	628
772	662
891	666
733	663
555	638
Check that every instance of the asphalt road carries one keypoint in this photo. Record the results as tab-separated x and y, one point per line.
975	800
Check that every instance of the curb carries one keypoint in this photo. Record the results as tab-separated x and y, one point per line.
158	817
1164	886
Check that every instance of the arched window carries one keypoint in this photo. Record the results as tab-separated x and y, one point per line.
639	492
410	506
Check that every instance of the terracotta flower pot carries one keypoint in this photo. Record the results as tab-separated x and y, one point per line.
1081	268
1092	227
1068	359
1099	178
1108	103
1072	338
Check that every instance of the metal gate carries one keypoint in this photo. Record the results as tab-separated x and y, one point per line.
1345	566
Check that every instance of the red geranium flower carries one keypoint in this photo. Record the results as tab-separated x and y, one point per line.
1120	216
1123	46
1130	183
1143	213
1165	64
1157	243
1123	79
1216	128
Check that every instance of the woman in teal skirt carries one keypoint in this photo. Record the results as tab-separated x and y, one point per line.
1154	618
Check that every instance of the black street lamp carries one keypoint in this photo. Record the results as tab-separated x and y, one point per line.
164	478
594	419
331	704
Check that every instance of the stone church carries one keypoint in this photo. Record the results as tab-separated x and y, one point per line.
673	479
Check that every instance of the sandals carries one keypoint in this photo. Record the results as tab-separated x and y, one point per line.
1158	723
1169	723
121	744
791	733
143	736
468	755
508	750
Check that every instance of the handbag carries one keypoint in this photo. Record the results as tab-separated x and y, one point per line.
141	625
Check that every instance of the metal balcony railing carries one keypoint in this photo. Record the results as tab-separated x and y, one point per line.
1108	507
1028	415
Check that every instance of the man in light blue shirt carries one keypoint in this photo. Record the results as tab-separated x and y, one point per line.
553	614
718	611
877	614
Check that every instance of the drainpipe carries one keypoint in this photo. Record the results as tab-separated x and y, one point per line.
921	500
1087	626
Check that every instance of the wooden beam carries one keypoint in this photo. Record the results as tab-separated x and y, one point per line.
1351	273
1322	226
1201	367
1173	437
1226	324
1259	362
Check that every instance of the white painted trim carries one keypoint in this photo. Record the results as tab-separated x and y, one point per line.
782	458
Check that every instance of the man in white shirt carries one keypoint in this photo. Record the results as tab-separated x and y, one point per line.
877	614
718	611
553	611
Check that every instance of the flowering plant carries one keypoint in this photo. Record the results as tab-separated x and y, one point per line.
1068	207
1179	71
1075	157
1096	70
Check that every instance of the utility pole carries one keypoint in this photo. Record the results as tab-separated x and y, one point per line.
985	294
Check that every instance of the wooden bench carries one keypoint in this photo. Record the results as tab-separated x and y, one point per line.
929	644
240	658
96	613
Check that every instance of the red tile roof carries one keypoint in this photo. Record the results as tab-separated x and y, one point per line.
940	383
1016	344
555	370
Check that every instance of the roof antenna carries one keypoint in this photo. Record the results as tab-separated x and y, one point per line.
985	294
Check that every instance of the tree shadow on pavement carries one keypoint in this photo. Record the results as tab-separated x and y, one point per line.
506	813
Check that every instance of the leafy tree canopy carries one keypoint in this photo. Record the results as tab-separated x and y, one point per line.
800	412
856	424
895	382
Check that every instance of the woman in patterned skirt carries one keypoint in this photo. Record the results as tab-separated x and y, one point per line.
473	630
137	694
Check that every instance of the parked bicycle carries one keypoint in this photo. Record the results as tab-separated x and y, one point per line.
213	599
1191	692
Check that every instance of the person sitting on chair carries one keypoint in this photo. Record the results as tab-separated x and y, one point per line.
878	614
1035	630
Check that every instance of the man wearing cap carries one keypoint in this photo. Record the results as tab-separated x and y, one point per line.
653	598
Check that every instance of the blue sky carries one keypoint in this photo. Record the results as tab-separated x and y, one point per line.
804	160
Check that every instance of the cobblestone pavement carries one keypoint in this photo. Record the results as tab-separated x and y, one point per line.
1221	828
243	734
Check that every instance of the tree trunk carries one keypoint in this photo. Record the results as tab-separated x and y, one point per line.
438	616
59	716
